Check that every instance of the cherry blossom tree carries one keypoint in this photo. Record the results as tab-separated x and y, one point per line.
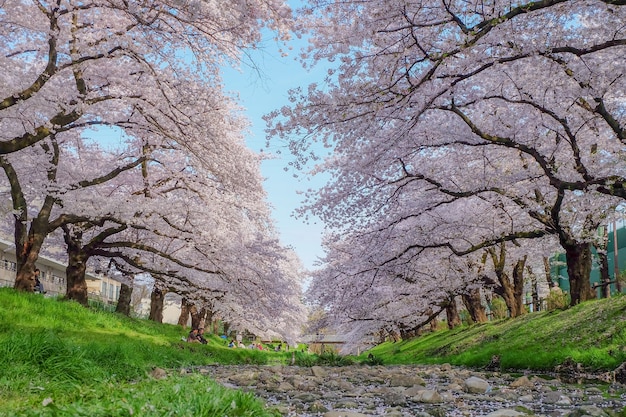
513	106
146	70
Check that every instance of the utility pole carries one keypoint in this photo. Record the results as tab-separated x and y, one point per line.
618	284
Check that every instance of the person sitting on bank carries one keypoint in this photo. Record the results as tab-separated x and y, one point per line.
193	336
38	285
201	338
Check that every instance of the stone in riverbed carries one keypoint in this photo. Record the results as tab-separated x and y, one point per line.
406	381
522	382
428	396
475	385
505	413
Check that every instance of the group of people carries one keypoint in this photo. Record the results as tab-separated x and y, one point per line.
196	335
235	344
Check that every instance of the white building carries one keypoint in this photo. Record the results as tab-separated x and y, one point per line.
52	276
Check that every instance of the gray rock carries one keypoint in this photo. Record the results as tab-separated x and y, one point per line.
522	382
319	372
593	411
284	387
393	398
317	407
504	413
428	397
406	381
557	397
475	385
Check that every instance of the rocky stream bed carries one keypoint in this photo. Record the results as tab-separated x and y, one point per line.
423	391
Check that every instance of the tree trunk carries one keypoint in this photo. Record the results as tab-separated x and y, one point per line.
511	291
474	306
578	257
124	300
183	318
197	317
546	269
406	333
518	286
603	260
535	289
605	279
452	314
76	267
28	244
157	298
209	321
29	235
434	325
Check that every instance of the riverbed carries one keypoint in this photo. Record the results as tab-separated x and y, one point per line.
423	391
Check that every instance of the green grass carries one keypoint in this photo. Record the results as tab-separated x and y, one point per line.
61	359
592	334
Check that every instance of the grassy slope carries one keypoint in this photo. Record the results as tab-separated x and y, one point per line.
60	359
593	334
96	364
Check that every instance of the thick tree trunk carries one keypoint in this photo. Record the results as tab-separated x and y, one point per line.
157	298
511	291
474	306
123	302
216	324
75	273
209	321
518	287
27	247
452	314
197	317
578	257
28	234
183	318
76	266
193	311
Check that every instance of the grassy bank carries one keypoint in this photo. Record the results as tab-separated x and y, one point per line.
592	334
61	359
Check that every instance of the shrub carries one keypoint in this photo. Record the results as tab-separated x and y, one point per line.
499	308
557	299
334	359
305	360
373	360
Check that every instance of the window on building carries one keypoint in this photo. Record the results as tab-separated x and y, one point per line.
9	266
104	288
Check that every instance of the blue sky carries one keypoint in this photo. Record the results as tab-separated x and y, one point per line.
259	93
